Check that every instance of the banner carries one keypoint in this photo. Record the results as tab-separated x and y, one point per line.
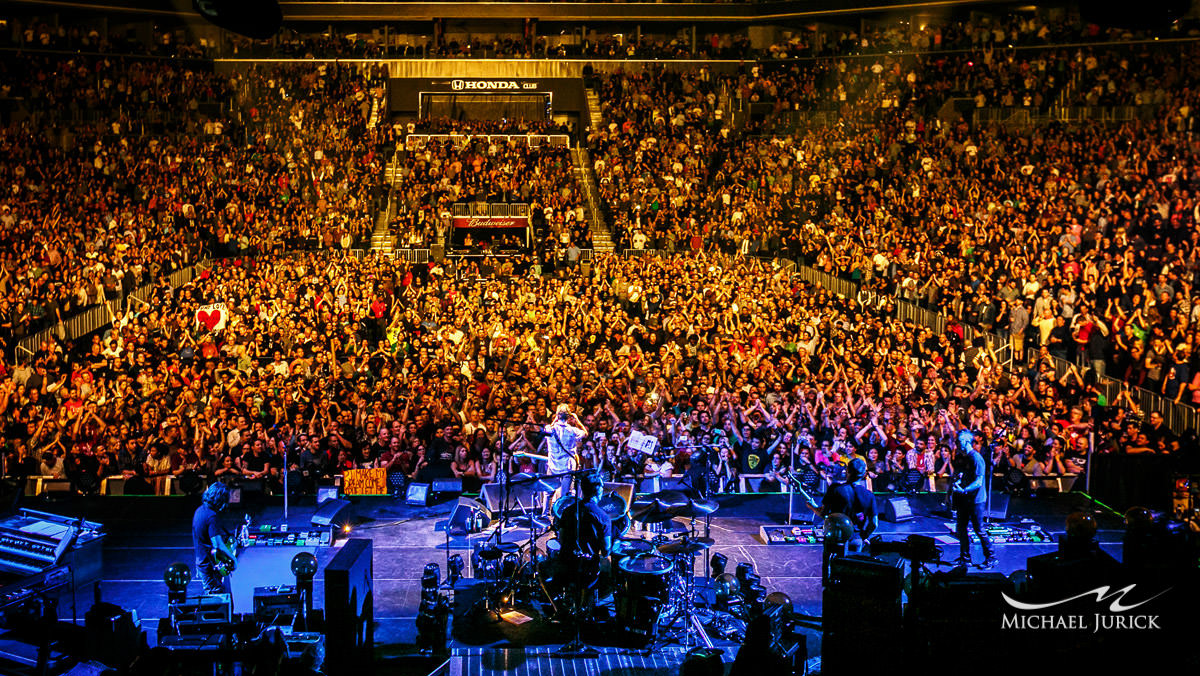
212	317
490	221
365	481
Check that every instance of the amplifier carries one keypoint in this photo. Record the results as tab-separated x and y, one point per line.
274	603
791	535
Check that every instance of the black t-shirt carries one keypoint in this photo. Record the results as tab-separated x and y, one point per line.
595	528
854	500
205	527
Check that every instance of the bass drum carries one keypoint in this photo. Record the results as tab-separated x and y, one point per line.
642	586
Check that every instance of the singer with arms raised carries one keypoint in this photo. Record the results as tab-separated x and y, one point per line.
561	442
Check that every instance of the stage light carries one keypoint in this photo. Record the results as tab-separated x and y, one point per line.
177	576
726	588
454	569
304	566
744	569
717	563
431	577
346	528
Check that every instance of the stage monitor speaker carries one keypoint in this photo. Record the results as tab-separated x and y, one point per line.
445	487
998	509
521	498
334	513
417	495
897	510
625	491
349	610
468	516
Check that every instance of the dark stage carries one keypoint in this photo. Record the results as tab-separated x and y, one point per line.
145	535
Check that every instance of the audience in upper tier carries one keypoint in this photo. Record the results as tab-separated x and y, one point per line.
1077	241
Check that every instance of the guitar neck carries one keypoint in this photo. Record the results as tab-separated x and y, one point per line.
535	456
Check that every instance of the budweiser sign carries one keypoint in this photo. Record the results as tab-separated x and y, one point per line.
490	221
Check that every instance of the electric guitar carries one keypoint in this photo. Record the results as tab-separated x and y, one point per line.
546	458
224	555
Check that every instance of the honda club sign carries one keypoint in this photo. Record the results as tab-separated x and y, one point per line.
490	85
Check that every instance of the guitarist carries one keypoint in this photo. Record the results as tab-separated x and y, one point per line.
851	498
969	495
214	558
561	441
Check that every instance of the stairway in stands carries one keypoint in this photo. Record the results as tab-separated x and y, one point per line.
585	175
382	240
593	104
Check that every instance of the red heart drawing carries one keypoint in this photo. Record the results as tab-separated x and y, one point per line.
209	318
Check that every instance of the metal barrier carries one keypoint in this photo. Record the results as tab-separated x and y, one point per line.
418	141
101	315
501	209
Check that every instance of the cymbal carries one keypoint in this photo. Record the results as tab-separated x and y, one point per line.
534	483
530	521
651	516
631	547
686	546
697	507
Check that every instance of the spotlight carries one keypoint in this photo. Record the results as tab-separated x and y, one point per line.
727	587
454	569
177	576
431	577
744	570
304	566
717	564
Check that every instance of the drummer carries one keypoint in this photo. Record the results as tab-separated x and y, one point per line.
585	532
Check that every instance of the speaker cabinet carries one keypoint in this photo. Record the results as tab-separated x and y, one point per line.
333	512
897	510
349	610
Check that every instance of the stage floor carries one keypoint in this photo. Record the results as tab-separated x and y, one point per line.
146	535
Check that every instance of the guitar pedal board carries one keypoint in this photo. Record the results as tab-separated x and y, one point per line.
274	536
791	535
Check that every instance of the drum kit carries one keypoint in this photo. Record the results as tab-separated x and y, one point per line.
650	576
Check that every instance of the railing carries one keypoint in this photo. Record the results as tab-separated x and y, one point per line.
417	141
100	315
1021	115
500	209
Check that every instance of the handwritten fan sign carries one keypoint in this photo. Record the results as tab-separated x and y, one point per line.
212	317
365	481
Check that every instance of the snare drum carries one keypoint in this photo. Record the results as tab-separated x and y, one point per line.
642	587
622	549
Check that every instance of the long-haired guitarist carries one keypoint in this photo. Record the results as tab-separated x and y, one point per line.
214	557
852	498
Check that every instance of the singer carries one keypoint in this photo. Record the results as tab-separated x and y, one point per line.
561	445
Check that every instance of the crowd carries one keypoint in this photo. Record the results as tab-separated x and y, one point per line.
1077	241
1080	239
329	362
479	167
121	171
